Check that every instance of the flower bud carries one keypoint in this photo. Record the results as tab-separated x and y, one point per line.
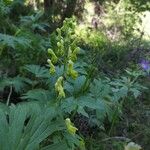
69	53
53	56
60	48
59	87
52	67
58	30
71	129
58	44
64	21
74	54
74	74
70	71
61	41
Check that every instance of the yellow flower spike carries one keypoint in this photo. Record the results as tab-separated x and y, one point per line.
74	74
61	41
59	87
52	67
73	37
64	21
60	48
74	54
77	50
71	129
58	30
58	44
70	71
54	57
61	51
132	146
69	53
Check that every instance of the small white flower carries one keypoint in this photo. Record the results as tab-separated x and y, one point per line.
132	146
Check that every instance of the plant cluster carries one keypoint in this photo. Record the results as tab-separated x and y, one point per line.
40	99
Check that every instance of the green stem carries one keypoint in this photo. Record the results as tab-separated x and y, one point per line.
74	113
8	99
87	81
113	122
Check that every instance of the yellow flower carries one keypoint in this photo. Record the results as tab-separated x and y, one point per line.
74	74
58	30
70	71
132	146
71	129
59	87
53	56
74	54
60	47
69	53
52	67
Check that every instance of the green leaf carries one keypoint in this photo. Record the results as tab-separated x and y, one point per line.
136	92
100	89
87	101
82	111
69	105
79	83
13	41
57	146
38	71
24	128
17	82
38	95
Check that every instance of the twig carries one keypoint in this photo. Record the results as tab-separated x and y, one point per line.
8	99
116	138
136	136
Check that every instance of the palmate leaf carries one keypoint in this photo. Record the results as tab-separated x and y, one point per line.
124	86
101	106
38	94
100	98
79	83
75	86
13	41
24	128
18	83
34	22
28	20
81	103
3	107
69	104
38	71
104	109
100	88
101	92
87	101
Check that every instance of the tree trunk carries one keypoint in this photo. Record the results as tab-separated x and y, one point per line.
70	9
49	5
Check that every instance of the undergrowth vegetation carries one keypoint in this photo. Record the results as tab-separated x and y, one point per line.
77	86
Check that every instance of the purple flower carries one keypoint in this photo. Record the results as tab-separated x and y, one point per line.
145	65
